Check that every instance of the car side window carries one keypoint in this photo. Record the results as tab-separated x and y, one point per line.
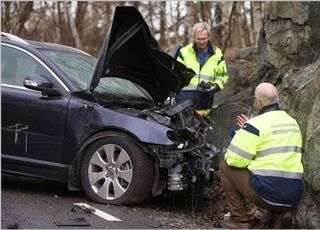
16	65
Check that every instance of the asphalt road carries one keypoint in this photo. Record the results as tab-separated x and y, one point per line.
35	204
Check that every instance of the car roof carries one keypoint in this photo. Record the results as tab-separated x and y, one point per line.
39	45
53	46
11	37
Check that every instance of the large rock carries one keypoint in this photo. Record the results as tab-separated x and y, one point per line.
300	94
289	57
289	48
289	38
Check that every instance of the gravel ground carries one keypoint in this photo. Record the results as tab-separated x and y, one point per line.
176	211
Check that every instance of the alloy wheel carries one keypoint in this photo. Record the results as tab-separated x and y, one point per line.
110	171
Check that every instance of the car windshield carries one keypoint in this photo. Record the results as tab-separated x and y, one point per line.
113	89
77	65
80	67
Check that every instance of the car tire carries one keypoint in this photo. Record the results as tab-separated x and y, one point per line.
115	170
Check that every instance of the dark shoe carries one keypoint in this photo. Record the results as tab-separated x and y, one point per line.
282	220
231	224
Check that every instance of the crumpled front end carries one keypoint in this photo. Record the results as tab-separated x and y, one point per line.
185	165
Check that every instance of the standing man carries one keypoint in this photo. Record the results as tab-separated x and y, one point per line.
207	61
263	163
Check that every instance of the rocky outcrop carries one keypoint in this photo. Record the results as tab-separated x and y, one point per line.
289	57
289	38
289	49
300	96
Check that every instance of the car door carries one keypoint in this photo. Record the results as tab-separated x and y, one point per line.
33	125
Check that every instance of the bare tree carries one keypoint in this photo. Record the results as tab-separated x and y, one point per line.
61	23
191	18
6	18
163	24
80	19
217	26
257	14
205	11
245	25
16	14
84	24
150	15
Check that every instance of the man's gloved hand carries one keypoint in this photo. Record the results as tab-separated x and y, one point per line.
209	87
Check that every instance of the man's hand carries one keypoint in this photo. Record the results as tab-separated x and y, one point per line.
209	87
241	119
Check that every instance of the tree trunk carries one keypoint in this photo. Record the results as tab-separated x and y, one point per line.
256	19
245	27
237	37
233	11
69	26
163	26
151	13
217	26
27	9
252	22
190	21
6	12
80	22
205	8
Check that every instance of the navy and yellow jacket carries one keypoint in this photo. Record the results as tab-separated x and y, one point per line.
269	145
213	70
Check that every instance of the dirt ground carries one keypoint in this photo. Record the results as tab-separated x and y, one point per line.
180	212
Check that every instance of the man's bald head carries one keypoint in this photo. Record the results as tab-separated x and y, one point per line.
266	93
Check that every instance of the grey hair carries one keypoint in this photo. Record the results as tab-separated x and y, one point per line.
200	26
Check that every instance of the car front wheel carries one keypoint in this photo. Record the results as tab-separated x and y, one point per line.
115	170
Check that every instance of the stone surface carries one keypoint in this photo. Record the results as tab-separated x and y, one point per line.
288	57
289	38
297	11
300	93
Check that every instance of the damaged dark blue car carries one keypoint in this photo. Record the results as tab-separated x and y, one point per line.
101	125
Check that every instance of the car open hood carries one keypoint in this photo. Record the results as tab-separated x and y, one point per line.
131	52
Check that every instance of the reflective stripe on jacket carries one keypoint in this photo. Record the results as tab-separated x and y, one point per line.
269	145
213	70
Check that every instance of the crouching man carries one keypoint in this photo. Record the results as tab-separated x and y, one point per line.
263	163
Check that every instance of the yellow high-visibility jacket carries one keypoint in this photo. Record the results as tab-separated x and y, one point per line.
213	70
269	145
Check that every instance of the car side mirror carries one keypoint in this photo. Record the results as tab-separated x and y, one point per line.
41	83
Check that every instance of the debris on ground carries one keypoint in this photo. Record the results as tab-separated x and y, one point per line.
153	223
15	225
176	211
79	221
84	208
